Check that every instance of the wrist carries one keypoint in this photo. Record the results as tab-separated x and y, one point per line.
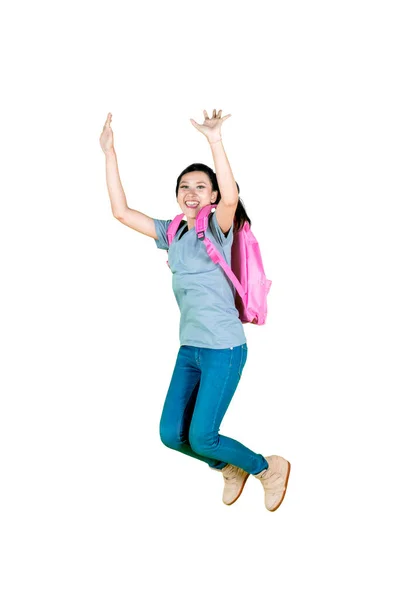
110	152
215	141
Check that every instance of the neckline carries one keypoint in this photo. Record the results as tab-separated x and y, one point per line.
183	231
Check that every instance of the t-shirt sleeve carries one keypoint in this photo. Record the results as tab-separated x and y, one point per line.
222	238
161	230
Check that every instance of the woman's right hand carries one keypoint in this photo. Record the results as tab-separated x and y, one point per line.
107	136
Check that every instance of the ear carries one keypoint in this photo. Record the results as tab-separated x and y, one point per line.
213	197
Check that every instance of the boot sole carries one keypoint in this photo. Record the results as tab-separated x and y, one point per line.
284	493
240	492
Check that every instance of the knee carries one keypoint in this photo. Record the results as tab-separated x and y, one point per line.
203	443
169	437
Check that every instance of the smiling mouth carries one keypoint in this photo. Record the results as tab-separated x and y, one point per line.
192	204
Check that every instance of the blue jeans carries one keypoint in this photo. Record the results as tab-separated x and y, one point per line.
202	386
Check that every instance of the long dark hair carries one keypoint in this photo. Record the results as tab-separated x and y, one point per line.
241	215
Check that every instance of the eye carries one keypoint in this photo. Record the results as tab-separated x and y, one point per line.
183	186
201	186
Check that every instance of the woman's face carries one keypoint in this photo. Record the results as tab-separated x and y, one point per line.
194	192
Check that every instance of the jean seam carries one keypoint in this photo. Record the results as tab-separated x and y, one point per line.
222	391
242	362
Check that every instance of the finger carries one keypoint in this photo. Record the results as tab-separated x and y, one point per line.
219	114
205	114
214	114
193	122
226	117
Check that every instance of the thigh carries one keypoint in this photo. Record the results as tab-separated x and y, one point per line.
182	393
221	371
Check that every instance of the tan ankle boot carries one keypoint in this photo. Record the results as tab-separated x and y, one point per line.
274	481
234	479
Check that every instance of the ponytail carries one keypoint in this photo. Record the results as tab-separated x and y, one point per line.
241	215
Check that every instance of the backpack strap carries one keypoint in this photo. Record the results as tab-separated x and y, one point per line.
219	260
201	228
173	227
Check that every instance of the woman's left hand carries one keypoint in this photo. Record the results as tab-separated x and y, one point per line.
211	127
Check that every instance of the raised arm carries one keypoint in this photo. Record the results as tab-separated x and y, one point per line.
128	216
226	207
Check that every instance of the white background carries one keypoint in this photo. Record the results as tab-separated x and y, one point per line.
93	506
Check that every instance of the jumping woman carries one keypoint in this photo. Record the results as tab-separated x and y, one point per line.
213	349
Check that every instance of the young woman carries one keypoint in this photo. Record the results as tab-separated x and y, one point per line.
213	347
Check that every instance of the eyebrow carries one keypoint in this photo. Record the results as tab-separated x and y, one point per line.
184	181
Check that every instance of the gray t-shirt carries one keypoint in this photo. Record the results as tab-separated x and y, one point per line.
205	295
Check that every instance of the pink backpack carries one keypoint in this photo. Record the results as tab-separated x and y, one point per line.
247	273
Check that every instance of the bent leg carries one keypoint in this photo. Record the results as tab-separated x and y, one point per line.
179	404
220	374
